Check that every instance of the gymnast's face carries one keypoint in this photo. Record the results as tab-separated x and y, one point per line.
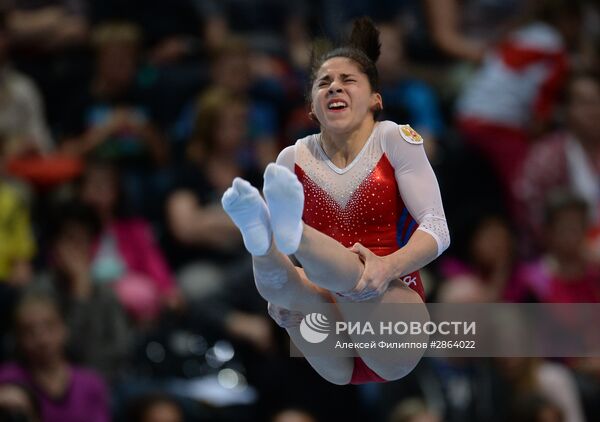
342	97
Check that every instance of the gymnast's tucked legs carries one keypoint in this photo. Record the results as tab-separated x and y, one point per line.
327	265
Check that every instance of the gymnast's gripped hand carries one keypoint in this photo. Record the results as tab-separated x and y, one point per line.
376	277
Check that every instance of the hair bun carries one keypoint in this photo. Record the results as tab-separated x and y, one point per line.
365	37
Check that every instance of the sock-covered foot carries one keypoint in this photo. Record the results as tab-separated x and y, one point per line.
285	199
243	203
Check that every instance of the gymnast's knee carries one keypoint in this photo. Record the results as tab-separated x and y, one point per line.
392	371
339	377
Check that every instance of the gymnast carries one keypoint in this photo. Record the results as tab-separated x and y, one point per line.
349	214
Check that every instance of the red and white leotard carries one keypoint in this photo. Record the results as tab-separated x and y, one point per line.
379	200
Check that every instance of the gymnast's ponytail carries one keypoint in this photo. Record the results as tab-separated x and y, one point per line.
365	37
363	47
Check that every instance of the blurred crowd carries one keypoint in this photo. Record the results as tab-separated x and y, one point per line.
125	291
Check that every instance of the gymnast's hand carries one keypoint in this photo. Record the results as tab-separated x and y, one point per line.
375	278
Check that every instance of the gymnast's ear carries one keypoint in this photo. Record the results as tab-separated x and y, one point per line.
312	116
377	106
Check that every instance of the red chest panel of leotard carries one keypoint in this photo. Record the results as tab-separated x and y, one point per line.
374	214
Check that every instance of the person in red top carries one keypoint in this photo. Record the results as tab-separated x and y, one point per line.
567	159
514	94
357	205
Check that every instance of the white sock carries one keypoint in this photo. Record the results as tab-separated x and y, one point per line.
243	203
285	199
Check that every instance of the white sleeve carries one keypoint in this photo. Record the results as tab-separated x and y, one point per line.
416	181
36	126
287	158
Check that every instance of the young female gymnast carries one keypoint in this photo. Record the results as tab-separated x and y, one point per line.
357	205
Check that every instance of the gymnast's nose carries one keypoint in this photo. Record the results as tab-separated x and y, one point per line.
334	87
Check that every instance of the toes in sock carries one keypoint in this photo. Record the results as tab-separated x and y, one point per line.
243	203
285	199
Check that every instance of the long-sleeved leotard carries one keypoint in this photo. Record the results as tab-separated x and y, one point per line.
378	200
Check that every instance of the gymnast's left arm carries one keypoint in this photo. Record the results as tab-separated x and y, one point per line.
421	194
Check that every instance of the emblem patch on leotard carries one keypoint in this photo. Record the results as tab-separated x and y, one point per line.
410	135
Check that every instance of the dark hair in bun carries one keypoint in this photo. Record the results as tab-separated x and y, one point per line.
365	37
363	47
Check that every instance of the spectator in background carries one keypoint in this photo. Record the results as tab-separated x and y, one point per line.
154	408
231	71
513	95
67	393
17	246
332	16
109	120
406	99
220	142
536	408
466	29
274	53
261	22
18	403
565	274
298	39
100	336
448	39
568	159
486	256
227	304
589	55
173	49
552	382
173	37
22	120
126	252
412	410
219	151
203	243
49	40
452	389
28	147
47	25
293	415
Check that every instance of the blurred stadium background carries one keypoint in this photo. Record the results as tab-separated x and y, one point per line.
125	292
